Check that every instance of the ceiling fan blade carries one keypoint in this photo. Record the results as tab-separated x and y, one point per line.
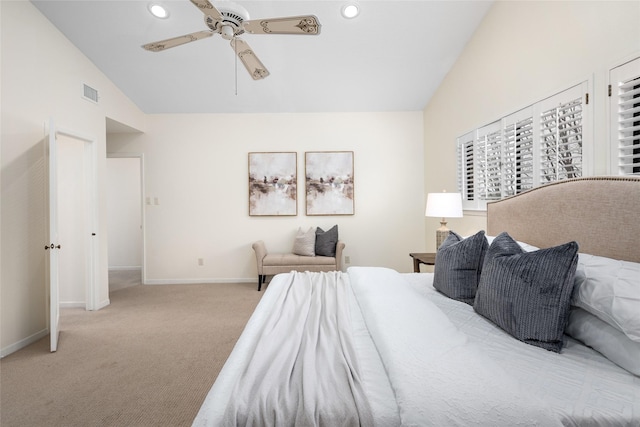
176	41
251	62
208	9
308	24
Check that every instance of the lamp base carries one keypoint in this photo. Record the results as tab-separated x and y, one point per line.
441	233
441	236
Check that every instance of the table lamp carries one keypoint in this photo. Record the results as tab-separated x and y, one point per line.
443	205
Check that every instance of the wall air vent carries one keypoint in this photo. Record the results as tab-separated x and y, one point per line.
90	94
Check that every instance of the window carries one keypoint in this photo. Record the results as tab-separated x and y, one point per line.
624	91
561	142
517	171
466	167
536	145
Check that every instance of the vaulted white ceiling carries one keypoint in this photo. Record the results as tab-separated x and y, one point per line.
392	57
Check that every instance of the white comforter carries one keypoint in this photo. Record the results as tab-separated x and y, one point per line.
414	355
439	378
304	369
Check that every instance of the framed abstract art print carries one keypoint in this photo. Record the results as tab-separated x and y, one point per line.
329	182
273	186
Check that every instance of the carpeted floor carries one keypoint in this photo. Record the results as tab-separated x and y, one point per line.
120	279
148	359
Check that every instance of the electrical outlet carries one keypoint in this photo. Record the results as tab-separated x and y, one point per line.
347	260
200	261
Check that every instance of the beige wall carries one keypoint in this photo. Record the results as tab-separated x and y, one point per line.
521	53
42	77
196	165
124	212
197	168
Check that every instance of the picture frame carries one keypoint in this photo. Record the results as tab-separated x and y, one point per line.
273	179
329	183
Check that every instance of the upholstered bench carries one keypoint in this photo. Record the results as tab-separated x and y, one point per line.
276	263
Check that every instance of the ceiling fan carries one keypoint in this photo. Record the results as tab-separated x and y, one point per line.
231	20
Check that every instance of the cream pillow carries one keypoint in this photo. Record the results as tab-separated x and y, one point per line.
305	242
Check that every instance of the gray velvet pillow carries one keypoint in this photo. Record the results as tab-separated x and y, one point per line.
459	266
326	241
528	294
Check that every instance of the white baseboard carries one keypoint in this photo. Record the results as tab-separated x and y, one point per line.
82	304
198	281
73	304
12	348
125	267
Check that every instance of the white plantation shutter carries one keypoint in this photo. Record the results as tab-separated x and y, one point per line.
542	143
488	155
561	141
465	158
494	166
517	154
625	118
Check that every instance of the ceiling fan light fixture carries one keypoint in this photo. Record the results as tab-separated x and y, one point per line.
158	11
227	32
350	10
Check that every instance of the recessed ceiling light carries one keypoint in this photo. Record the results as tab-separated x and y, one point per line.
158	11
350	10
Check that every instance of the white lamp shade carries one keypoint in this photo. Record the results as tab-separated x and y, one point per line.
444	205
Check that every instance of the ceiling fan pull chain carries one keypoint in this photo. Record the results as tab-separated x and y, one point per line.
235	51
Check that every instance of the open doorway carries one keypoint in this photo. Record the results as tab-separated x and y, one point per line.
125	218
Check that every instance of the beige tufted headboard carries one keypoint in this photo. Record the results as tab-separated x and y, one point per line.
602	214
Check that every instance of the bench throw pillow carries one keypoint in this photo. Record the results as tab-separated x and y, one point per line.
528	294
459	265
326	241
305	242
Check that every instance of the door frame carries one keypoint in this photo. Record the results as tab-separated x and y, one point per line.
143	215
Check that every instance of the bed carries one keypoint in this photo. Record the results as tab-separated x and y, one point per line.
375	347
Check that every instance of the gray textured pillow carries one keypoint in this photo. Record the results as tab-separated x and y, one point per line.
326	241
459	266
528	294
305	242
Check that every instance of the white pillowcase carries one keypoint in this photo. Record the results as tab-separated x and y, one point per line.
305	242
609	289
604	338
525	246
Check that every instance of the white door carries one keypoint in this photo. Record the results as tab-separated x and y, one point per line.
89	218
53	246
73	228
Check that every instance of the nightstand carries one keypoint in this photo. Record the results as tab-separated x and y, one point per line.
428	258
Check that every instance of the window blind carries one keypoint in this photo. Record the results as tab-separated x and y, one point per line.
561	142
488	162
517	160
541	143
466	185
625	118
